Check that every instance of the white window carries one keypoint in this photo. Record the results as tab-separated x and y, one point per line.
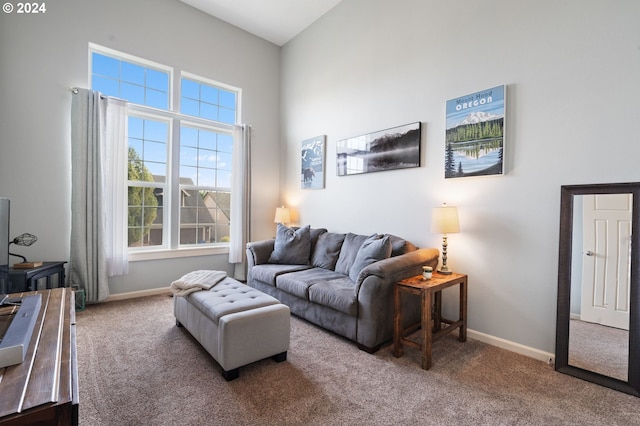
180	149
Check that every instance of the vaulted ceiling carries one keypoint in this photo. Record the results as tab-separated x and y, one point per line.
277	21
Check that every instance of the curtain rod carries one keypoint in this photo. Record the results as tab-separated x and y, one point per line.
76	90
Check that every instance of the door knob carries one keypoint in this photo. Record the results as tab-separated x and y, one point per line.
590	253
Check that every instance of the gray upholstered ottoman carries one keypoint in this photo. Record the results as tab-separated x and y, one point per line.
236	324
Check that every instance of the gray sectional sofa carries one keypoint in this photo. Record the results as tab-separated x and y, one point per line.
341	282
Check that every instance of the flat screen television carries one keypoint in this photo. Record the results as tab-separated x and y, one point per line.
4	245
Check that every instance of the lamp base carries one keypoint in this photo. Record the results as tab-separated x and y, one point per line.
445	272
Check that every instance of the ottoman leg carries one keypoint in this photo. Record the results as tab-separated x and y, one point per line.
231	374
282	356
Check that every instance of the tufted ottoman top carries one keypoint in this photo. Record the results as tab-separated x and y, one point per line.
227	297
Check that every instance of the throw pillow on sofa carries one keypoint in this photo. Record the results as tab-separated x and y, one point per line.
349	251
292	247
372	250
327	249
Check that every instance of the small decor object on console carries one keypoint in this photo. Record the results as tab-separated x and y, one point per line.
427	272
27	265
24	240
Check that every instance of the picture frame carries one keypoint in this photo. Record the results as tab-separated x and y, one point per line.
390	149
312	163
475	134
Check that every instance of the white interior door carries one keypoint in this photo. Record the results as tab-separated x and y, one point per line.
607	262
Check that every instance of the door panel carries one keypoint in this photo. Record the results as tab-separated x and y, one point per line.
606	266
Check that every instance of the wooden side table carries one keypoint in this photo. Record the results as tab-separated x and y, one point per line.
430	292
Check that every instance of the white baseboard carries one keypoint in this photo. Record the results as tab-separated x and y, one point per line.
134	294
547	357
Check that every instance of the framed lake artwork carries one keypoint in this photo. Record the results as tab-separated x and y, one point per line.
475	134
312	163
389	149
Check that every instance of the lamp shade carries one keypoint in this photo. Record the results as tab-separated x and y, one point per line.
444	220
282	215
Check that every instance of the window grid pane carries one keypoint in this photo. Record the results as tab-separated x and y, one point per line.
145	217
202	167
204	217
207	101
147	150
133	82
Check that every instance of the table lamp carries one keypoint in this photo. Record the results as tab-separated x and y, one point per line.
25	240
444	220
282	215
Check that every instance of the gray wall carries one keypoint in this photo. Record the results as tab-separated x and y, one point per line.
572	70
42	56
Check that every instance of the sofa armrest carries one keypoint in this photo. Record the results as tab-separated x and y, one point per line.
374	290
258	252
400	267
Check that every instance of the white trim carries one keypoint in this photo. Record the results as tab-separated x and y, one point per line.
195	77
136	294
136	256
534	353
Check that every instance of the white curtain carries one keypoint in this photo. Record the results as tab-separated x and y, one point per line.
98	208
240	199
115	197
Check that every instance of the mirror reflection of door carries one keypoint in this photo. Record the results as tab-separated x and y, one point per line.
607	262
598	336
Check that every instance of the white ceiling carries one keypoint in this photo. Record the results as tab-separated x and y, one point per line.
277	21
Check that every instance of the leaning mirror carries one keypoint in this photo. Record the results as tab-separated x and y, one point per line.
597	329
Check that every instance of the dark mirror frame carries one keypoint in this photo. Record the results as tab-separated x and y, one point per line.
567	193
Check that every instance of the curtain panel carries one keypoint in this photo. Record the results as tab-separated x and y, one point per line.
240	199
99	192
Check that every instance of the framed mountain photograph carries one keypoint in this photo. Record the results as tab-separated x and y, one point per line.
475	134
390	149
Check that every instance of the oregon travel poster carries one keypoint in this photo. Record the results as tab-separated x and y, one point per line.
475	134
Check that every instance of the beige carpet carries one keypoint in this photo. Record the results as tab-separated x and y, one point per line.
137	368
598	348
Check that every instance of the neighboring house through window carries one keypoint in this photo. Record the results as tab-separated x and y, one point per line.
180	150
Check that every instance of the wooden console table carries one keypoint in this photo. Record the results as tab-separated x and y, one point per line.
430	292
27	279
43	389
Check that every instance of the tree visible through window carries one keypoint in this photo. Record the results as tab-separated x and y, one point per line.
143	204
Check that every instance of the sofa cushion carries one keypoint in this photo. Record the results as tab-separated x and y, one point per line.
372	250
228	297
348	252
314	233
338	294
267	272
292	247
327	249
298	283
400	246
